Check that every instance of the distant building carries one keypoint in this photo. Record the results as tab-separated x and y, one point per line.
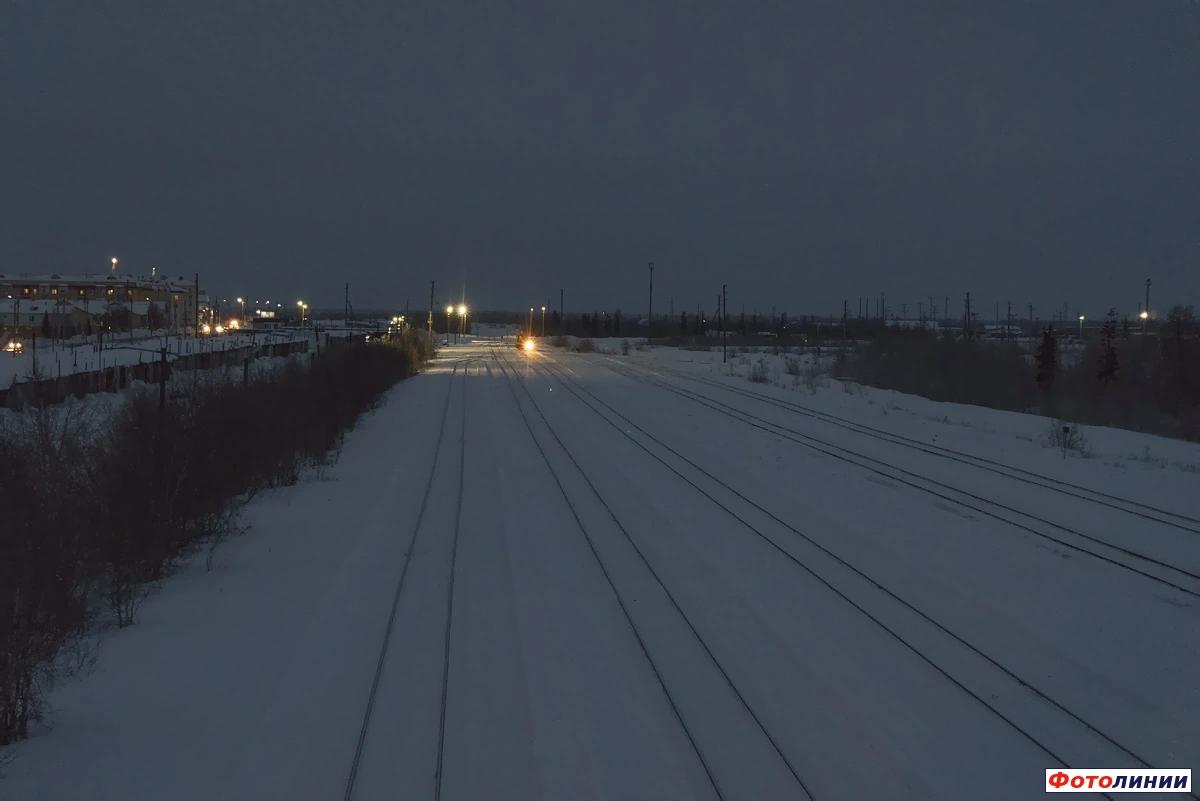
928	325
163	302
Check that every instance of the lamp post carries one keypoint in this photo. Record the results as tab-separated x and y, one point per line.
1148	282
242	303
449	314
543	322
1145	315
462	319
530	329
114	264
1081	328
303	306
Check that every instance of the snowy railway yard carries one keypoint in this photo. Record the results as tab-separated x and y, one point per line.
640	577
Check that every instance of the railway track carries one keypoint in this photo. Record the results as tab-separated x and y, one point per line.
386	637
1021	683
1171	575
514	378
1108	500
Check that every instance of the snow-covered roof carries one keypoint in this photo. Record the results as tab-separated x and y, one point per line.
175	283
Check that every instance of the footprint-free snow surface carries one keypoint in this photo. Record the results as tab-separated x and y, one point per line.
568	576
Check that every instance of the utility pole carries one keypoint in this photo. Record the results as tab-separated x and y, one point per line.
724	326
432	284
650	307
1147	303
967	319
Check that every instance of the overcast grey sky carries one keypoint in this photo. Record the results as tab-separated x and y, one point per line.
804	152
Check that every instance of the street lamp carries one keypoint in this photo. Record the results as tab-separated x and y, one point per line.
302	306
114	264
530	329
543	321
462	319
449	314
242	303
1081	328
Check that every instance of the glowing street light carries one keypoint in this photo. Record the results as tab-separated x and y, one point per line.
242	303
303	307
462	320
1081	327
114	264
543	321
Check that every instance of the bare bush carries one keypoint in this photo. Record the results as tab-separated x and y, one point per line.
1067	437
585	346
759	372
815	376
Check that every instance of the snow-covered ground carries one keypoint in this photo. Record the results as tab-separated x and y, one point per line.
641	577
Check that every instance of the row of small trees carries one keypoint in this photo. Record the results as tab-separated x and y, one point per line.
96	510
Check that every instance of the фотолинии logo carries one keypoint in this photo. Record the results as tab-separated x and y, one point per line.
1119	780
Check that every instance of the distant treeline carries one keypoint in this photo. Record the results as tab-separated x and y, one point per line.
96	510
1119	377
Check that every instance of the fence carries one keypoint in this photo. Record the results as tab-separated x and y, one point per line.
118	377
